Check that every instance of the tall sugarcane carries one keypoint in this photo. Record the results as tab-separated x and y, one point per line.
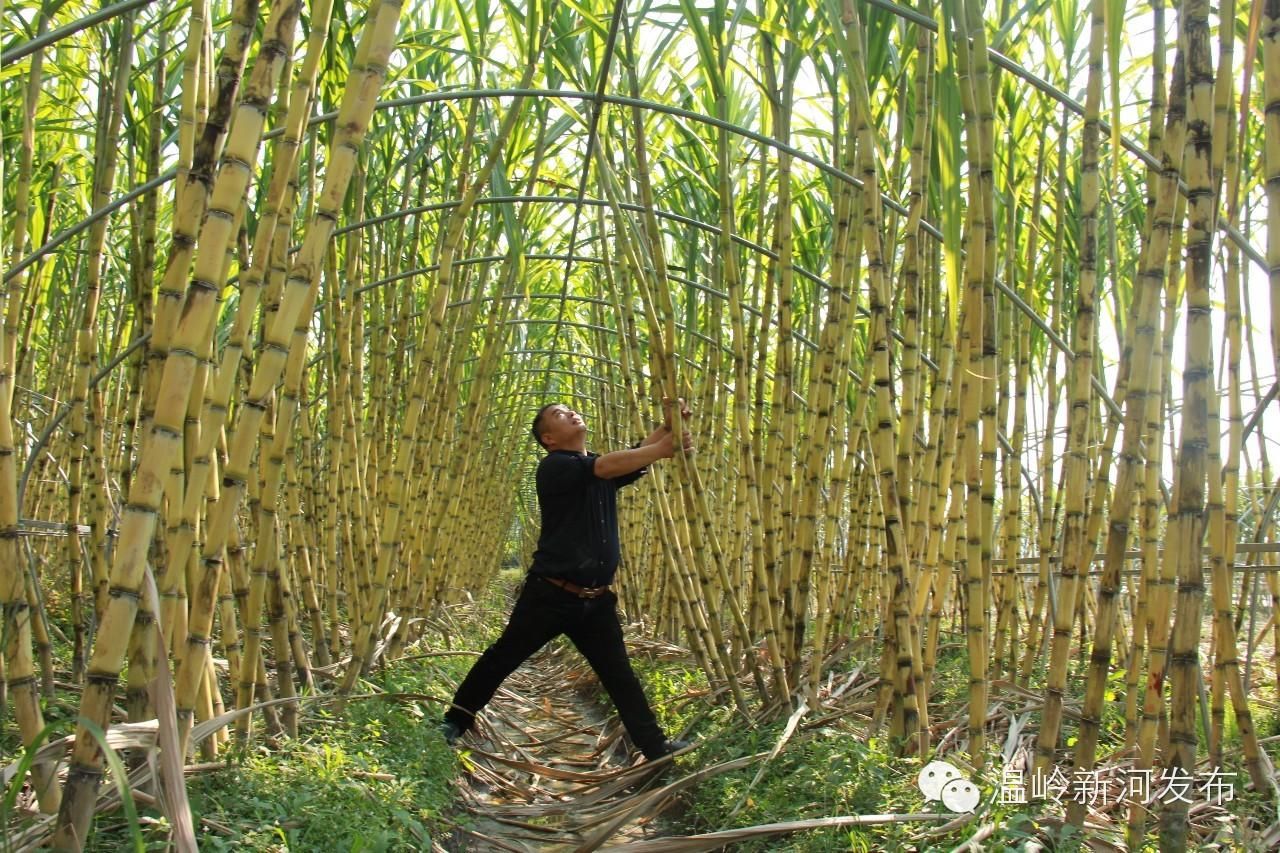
441	493
449	246
216	406
216	234
201	133
440	544
659	313
1013	519
1143	371
747	489
139	516
1161	574
828	379
138	524
1270	38
907	672
84	426
1076	549
265	575
1223	475
914	277
702	633
1155	141
776	502
17	669
688	534
1050	498
1186	526
977	333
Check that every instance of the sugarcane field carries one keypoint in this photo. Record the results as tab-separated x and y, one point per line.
698	425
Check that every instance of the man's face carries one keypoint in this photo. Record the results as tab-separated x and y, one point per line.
560	425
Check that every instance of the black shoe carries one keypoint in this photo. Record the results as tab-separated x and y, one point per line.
670	746
675	744
450	731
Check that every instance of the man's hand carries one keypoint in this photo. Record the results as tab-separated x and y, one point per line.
685	412
664	431
665	443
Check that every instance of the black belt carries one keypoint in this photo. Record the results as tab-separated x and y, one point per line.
573	588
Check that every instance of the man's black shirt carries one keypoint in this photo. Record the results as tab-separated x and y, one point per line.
579	539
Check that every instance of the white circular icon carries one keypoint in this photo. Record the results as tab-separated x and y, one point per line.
960	795
934	776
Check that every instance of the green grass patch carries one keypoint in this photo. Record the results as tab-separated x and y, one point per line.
840	769
832	770
376	777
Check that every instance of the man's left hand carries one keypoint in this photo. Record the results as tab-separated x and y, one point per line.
685	412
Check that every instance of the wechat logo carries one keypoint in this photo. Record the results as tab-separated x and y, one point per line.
941	781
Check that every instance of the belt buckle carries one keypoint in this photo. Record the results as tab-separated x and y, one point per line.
592	591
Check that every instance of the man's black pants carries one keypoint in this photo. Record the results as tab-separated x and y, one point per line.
543	612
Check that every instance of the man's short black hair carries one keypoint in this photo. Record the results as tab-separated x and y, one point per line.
533	428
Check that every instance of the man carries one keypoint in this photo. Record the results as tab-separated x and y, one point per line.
567	588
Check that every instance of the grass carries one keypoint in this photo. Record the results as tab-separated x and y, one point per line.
840	769
832	770
375	781
377	777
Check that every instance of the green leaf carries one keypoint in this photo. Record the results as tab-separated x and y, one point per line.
121	779
949	157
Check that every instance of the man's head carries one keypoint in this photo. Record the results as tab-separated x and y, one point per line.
558	427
